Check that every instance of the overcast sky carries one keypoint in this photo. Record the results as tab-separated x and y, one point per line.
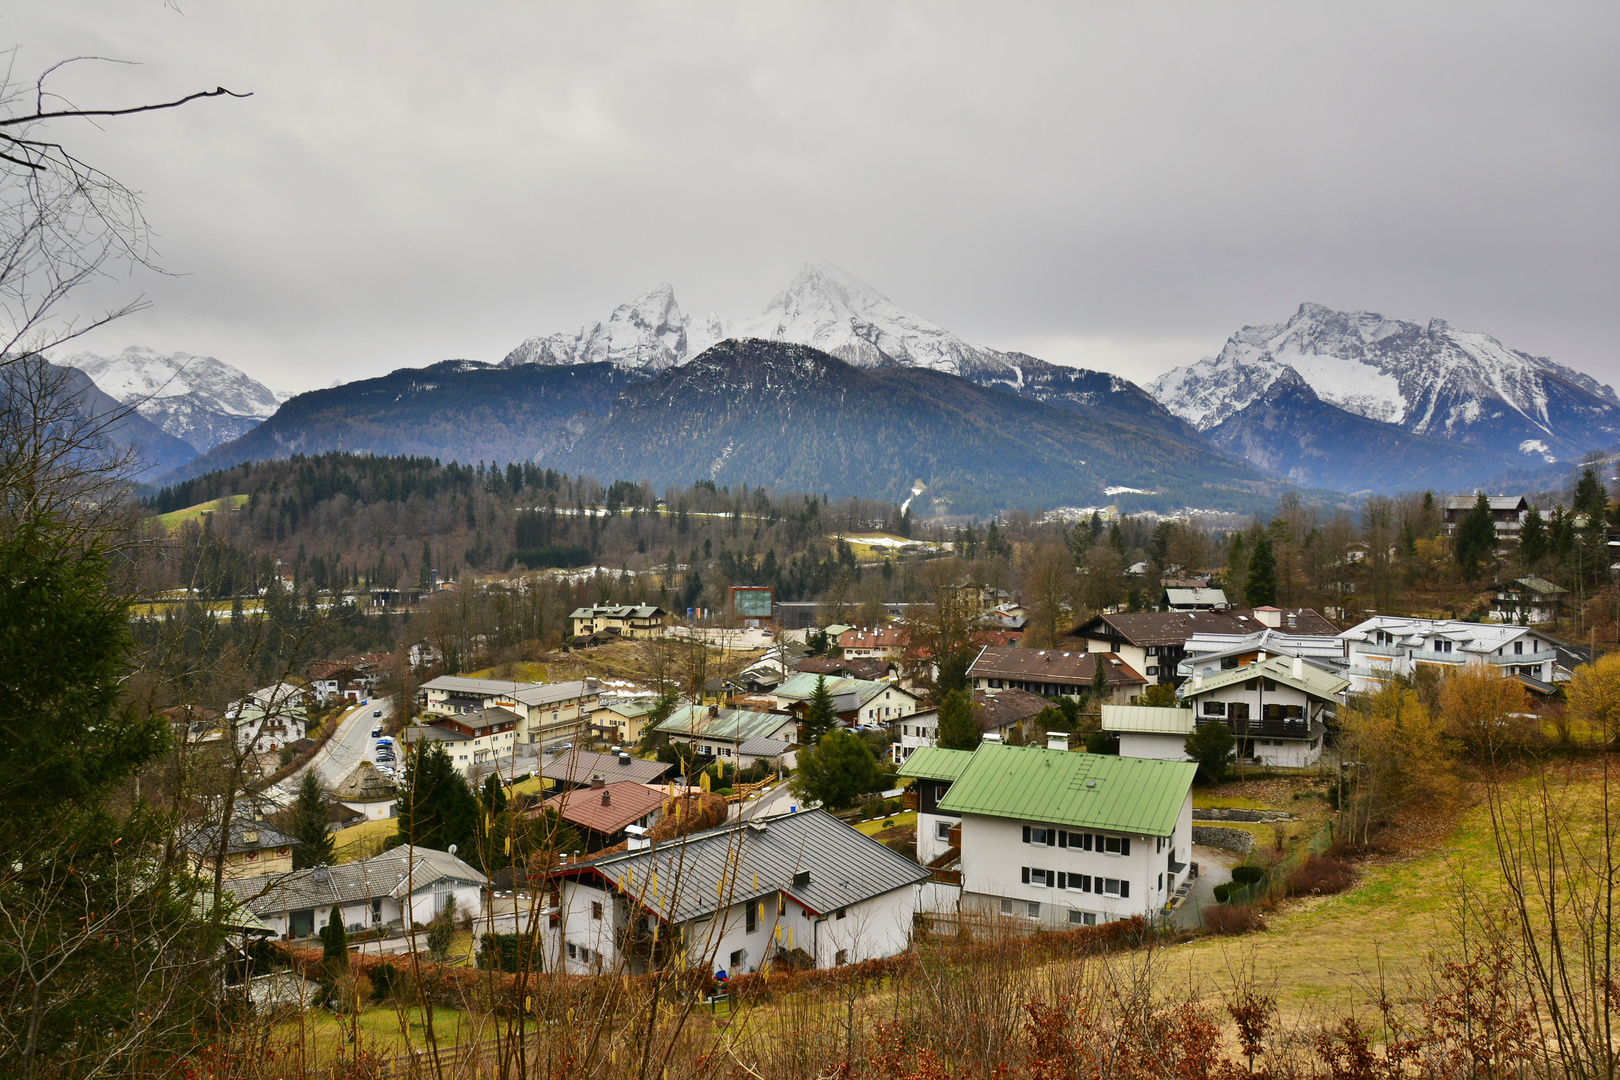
1112	185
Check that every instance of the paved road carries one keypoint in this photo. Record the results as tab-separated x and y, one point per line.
349	745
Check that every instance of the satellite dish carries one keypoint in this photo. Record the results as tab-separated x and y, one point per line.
452	849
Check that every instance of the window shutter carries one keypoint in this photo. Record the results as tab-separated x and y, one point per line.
1085	882
1124	888
1026	875
1063	839
1051	878
1063	880
1051	838
1026	834
1088	841
1101	846
1125	846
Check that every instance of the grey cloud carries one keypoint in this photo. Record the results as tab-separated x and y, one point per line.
412	182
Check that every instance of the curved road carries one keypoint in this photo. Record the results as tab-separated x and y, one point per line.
350	744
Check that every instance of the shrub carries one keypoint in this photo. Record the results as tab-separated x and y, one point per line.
385	980
1320	875
1222	891
1247	875
1232	920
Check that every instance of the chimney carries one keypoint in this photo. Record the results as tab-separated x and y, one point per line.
801	879
624	758
251	836
1057	740
1299	667
597	782
714	710
1268	616
607	797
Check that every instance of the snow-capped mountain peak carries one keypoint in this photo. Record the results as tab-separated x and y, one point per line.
199	399
1429	379
648	333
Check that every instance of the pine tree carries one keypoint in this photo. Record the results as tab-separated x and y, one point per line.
1210	745
1476	537
837	770
335	941
1532	538
436	807
1260	587
309	825
1099	679
820	715
957	730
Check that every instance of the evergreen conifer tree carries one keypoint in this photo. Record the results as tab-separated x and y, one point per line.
335	941
957	730
1260	586
1476	537
837	770
436	807
310	825
820	716
1532	538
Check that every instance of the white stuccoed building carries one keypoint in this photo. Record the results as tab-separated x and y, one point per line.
1385	646
1059	838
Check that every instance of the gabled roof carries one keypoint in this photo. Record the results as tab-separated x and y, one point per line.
936	763
888	636
730	724
1540	585
1059	787
1148	720
1311	679
763	747
1498	502
460	684
1174	627
689	878
551	693
628	802
397	872
578	766
1176	596
204	840
617	611
1051	665
803	685
998	709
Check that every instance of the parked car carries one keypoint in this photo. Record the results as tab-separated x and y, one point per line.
376	732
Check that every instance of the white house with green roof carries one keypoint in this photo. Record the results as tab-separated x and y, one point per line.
1146	731
935	769
1277	709
1061	838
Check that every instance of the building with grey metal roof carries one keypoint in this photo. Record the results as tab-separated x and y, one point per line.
736	896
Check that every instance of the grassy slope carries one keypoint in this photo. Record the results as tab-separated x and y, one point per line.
192	513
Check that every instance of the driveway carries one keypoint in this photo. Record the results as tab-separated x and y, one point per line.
1214	868
350	744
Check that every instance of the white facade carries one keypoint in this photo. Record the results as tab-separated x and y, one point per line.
585	931
1148	744
1248	727
916	730
1386	646
1010	868
933	834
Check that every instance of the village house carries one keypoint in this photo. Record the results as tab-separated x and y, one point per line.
555	713
1145	731
856	701
777	754
1207	654
270	719
1279	709
1387	646
1196	598
472	739
402	888
1154	642
368	792
1507	514
255	847
1528	600
887	642
837	668
449	695
720	733
1050	673
1054	838
602	811
1002	714
625	620
802	885
622	722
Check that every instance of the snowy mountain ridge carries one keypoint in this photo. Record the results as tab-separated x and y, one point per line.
1431	380
198	399
824	306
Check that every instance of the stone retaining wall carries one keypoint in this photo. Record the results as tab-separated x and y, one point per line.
1201	814
1230	839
